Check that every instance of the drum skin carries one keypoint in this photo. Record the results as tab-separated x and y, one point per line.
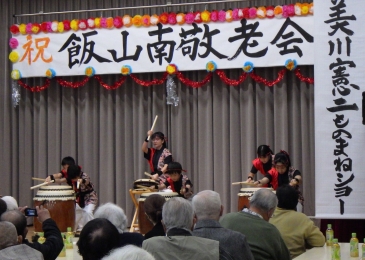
146	183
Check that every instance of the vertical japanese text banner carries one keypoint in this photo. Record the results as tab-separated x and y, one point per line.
339	123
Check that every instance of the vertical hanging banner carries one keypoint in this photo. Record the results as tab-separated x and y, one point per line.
339	123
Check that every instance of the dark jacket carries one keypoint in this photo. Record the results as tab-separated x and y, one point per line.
53	245
129	238
156	231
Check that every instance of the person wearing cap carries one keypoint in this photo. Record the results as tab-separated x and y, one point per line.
176	181
159	156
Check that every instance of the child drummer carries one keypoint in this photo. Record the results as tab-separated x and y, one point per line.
176	181
61	176
86	197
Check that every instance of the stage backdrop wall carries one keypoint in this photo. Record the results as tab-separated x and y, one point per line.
213	132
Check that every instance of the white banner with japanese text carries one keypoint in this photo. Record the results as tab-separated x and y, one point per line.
339	123
264	42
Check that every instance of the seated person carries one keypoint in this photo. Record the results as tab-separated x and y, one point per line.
177	182
3	206
11	203
11	246
297	230
208	209
53	244
153	209
179	244
116	216
129	252
264	238
97	239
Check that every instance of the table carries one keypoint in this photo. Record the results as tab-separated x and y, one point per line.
324	253
72	254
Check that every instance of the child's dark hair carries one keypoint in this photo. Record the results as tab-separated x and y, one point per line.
264	150
73	171
174	167
282	157
161	136
68	160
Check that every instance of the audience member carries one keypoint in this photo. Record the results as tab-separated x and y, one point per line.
3	206
98	237
153	209
129	252
116	216
11	247
297	230
208	209
10	202
264	239
179	244
53	244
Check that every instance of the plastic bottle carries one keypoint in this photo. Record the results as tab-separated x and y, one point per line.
363	250
69	238
336	250
354	246
329	235
41	238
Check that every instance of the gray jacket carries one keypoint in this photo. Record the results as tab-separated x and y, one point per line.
231	241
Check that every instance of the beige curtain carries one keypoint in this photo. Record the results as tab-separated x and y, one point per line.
213	132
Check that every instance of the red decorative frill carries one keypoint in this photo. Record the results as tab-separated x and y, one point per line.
116	85
231	82
194	84
266	82
150	83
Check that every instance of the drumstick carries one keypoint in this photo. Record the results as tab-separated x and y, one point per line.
38	179
78	184
153	125
149	175
42	184
244	182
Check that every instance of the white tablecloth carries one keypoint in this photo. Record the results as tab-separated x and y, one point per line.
324	253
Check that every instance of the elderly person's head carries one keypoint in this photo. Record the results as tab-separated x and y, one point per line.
153	207
8	236
3	206
11	203
264	202
98	237
287	197
129	252
177	213
114	214
18	220
207	205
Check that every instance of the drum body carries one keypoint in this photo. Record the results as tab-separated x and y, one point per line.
245	195
60	201
145	183
144	224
